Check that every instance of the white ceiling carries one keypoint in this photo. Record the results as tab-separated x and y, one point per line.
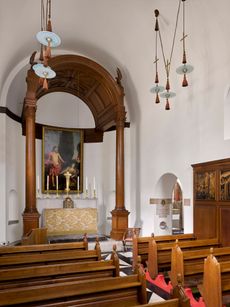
115	33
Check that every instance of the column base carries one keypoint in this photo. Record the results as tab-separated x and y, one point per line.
119	223
30	221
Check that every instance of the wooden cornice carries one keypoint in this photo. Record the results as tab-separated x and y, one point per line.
90	82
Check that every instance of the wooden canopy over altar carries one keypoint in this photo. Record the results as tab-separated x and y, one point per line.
104	96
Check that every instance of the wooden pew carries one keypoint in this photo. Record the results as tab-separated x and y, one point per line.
110	291
42	248
216	281
48	256
189	264
141	244
159	255
56	273
35	236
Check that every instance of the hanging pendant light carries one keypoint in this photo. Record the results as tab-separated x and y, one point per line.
44	73
48	40
167	95
184	69
157	88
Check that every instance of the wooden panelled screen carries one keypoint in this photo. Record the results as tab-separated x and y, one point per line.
211	182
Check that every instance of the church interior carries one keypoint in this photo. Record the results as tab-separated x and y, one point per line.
115	137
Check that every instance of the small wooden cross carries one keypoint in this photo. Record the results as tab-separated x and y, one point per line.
167	66
184	37
156	61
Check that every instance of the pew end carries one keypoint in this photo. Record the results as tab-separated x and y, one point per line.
179	292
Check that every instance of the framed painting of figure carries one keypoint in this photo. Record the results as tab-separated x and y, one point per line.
205	185
225	185
62	160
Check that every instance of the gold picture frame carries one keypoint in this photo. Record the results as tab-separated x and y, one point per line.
62	152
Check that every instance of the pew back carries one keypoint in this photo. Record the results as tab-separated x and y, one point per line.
42	248
141	244
54	257
115	291
47	274
190	263
159	255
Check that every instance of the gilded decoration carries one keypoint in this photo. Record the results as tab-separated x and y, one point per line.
70	221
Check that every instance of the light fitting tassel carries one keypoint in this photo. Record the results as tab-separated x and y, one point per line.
49	26
156	78
167	85
167	106
157	98
45	84
185	82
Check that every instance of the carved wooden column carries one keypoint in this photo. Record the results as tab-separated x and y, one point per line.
30	214
119	214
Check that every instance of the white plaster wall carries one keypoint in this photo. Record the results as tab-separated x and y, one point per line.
64	110
3	220
15	179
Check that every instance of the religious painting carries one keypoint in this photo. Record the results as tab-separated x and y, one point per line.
225	185
62	160
205	185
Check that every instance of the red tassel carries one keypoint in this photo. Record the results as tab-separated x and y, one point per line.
167	106
49	26
157	99
185	82
167	85
45	84
156	78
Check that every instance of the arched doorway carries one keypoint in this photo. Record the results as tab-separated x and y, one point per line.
168	217
177	209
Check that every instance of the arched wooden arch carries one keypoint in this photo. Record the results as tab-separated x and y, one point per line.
104	96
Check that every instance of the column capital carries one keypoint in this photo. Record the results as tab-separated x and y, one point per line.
32	81
30	108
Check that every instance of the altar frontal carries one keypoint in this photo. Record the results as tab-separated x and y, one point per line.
70	221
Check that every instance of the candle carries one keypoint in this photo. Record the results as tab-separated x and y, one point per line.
78	183
94	183
86	183
47	183
57	183
38	183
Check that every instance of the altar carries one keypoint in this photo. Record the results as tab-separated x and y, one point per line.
70	221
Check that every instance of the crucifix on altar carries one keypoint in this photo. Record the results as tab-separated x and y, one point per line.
68	202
